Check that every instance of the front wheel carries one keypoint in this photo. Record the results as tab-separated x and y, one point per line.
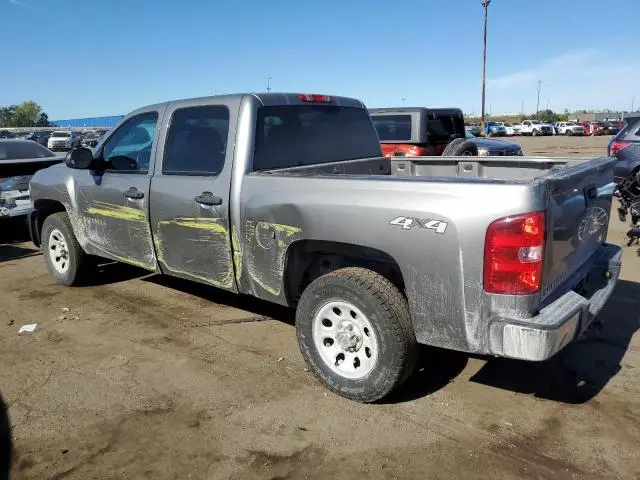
535	133
63	255
355	333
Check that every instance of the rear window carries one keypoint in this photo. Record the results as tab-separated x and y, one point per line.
393	127
630	125
441	127
297	135
12	150
61	134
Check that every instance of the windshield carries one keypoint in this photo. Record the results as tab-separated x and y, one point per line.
21	150
61	134
289	136
536	122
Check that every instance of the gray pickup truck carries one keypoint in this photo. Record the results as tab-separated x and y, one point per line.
286	197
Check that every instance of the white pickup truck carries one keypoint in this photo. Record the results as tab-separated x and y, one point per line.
63	140
535	128
569	128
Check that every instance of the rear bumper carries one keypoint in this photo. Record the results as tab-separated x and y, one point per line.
563	320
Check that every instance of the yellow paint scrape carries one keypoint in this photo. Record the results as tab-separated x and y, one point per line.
209	224
116	211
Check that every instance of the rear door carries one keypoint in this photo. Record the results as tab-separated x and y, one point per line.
190	192
114	205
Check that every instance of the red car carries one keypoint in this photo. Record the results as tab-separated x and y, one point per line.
402	131
596	129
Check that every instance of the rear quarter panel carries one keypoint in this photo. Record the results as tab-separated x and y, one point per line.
442	271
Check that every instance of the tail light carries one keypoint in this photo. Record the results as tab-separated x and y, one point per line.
314	98
513	253
616	146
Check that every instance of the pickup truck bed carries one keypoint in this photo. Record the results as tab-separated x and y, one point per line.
493	256
576	193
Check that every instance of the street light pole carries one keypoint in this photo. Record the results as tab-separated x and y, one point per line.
538	102
268	83
485	5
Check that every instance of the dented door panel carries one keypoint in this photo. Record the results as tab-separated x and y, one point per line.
190	208
114	225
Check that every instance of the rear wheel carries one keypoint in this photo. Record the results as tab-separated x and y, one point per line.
460	147
355	333
63	255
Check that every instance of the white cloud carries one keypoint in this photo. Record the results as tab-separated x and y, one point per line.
588	79
20	3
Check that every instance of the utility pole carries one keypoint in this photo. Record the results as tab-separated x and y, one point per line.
521	110
547	103
485	5
403	99
268	83
538	102
633	103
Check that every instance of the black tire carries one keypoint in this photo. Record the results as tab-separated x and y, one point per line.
460	147
77	259
535	133
388	314
567	132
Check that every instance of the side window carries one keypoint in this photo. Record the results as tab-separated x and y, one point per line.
197	141
129	148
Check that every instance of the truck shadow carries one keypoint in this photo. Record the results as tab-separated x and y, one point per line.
107	272
436	368
215	295
583	369
10	252
6	446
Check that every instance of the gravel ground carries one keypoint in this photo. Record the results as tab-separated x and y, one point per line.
139	376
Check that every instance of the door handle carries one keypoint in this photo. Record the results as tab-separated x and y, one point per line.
207	198
133	193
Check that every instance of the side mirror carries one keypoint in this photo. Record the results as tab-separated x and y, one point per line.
79	158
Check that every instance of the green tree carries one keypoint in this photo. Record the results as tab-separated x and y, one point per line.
6	115
43	121
26	114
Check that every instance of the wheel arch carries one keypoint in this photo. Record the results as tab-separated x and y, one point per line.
42	208
307	260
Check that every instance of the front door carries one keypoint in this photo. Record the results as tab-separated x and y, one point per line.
190	194
114	208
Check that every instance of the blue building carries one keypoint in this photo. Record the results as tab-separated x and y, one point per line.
90	122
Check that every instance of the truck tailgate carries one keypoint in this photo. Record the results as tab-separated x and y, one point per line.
579	199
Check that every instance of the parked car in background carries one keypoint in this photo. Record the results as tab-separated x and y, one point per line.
535	128
286	197
420	131
512	129
90	139
495	148
40	137
569	128
6	134
19	160
495	129
625	146
63	140
474	129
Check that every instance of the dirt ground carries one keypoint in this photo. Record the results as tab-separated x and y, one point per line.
147	377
